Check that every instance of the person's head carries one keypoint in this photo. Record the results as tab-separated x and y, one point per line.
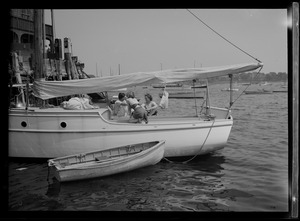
86	96
148	97
130	94
121	96
63	104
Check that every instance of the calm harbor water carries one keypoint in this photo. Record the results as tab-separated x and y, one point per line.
249	174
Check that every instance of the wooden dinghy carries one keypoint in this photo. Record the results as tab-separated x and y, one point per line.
184	96
228	89
107	162
258	92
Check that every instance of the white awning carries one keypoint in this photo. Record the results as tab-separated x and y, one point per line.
50	89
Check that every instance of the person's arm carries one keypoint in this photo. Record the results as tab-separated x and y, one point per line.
153	105
116	108
124	103
129	108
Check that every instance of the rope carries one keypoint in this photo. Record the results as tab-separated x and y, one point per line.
184	162
246	87
234	100
202	106
222	36
48	174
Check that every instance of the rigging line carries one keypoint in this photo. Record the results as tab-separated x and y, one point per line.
247	86
222	36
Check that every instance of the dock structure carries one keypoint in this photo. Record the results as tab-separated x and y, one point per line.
58	64
35	53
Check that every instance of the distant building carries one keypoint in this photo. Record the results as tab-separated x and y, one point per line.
21	29
22	34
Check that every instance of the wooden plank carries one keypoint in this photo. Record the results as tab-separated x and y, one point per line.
295	105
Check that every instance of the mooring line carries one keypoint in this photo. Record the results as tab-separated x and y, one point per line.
184	162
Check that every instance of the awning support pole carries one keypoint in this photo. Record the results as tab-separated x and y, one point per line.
231	91
195	96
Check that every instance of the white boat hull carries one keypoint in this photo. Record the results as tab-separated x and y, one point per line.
122	160
51	133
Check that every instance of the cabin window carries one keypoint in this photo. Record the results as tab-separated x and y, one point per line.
63	124
24	124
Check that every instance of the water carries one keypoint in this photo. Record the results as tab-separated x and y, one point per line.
249	174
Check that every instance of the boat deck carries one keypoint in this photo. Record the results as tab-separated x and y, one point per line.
53	109
104	113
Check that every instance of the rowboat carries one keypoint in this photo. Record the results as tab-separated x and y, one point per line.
259	92
184	95
264	84
228	89
177	85
280	91
107	162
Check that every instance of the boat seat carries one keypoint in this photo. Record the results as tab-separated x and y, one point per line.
64	164
101	158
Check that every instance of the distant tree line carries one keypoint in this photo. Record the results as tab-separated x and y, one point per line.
252	77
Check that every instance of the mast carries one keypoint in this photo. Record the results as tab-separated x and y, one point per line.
53	23
44	54
38	44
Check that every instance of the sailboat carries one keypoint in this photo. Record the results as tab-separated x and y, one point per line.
55	132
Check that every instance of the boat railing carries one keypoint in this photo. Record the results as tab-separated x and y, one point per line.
99	157
107	114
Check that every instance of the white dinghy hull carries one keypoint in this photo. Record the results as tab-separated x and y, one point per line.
108	162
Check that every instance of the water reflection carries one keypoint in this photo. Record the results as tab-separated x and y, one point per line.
165	186
53	188
249	174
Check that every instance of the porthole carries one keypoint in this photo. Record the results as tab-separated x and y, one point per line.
24	124
63	124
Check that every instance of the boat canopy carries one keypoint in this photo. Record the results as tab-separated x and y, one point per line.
50	89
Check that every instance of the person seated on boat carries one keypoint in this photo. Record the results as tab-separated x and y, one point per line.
150	106
139	114
72	104
87	102
119	106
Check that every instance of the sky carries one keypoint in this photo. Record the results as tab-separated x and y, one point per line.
153	39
